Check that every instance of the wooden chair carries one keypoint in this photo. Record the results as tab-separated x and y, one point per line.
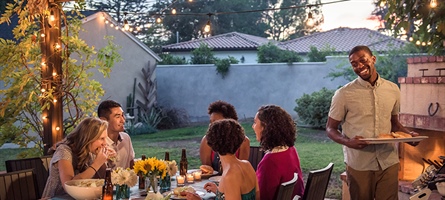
287	188
255	156
18	185
40	166
317	183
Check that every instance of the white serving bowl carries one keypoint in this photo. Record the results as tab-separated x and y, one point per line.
79	189
441	188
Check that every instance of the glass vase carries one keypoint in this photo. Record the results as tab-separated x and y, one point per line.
165	184
122	192
151	182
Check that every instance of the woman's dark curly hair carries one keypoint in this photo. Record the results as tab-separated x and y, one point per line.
226	109
225	136
279	128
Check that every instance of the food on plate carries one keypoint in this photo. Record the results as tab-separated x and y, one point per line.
400	134
206	169
90	183
385	136
181	191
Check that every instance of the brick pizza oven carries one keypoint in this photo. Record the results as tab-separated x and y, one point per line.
422	110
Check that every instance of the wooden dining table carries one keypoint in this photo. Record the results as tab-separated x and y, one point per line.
140	194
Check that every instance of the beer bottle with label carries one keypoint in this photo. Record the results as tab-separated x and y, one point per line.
107	190
183	164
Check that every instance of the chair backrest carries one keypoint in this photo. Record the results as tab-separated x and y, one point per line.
40	166
317	183
287	188
18	185
255	156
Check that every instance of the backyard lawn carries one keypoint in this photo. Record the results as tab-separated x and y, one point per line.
315	149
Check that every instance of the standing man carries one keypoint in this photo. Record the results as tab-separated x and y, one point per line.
366	107
120	141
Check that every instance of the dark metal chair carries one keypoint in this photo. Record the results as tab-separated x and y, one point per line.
287	188
18	185
317	183
255	156
40	166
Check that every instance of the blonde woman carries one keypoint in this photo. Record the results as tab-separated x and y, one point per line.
78	156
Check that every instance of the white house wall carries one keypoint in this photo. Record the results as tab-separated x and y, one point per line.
246	86
120	83
249	56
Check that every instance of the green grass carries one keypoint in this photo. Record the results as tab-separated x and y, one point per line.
315	149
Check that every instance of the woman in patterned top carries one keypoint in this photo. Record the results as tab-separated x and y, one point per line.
238	180
78	156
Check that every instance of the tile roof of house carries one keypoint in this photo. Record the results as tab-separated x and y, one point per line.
343	40
227	41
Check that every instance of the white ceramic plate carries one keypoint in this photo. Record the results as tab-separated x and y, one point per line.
203	176
391	140
215	179
201	194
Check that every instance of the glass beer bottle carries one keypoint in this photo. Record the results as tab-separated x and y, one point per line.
107	190
183	164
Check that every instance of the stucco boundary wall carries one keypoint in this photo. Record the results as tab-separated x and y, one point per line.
246	86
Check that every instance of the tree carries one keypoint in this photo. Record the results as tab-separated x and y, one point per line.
131	10
320	56
418	21
288	24
25	97
202	55
192	17
270	53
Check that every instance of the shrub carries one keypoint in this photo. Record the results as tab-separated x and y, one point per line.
313	109
173	118
320	56
270	53
202	55
223	65
168	59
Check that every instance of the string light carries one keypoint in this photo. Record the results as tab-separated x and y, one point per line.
207	26
310	21
57	128
42	35
51	16
57	46
54	74
158	20
43	90
55	100
433	3
174	11
418	42
126	25
382	3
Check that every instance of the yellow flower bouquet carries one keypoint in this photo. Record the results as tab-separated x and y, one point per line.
151	168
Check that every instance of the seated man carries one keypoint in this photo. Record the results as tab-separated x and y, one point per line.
120	141
221	110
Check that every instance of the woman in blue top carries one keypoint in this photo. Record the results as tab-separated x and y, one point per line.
238	179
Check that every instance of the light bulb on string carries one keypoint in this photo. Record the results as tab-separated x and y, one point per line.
429	43
174	11
207	27
57	128
54	74
418	42
55	100
42	35
126	25
158	20
106	21
310	21
433	3
117	27
51	16
382	3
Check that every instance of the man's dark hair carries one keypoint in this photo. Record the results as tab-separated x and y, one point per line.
104	109
360	48
226	109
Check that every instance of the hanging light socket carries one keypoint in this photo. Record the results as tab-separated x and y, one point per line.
310	21
207	27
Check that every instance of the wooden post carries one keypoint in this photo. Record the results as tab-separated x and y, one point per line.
51	73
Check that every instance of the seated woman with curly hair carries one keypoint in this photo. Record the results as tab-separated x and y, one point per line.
238	180
221	110
276	132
